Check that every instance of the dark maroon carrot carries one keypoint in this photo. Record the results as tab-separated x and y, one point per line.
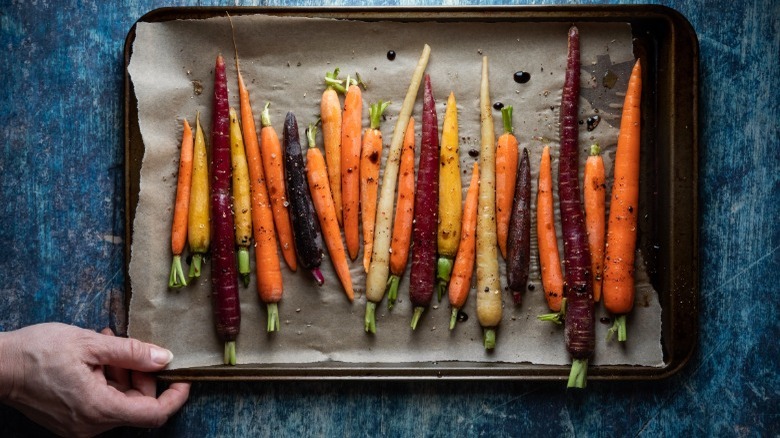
306	234
578	287
426	207
518	246
224	278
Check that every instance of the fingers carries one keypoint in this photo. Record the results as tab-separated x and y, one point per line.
145	383
130	354
150	411
117	377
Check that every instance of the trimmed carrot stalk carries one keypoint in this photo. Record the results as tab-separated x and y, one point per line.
489	306
267	265
618	286
370	159
273	166
330	113
506	174
460	283
199	212
306	234
578	287
351	121
594	195
181	208
317	176
242	198
450	206
426	200
518	251
404	217
379	269
549	258
224	281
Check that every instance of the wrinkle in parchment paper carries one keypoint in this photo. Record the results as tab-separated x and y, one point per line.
283	61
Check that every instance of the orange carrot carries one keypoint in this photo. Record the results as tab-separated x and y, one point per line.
460	281
506	174
549	258
370	159
267	266
199	215
404	216
618	285
316	174
181	208
594	194
330	112
273	165
351	122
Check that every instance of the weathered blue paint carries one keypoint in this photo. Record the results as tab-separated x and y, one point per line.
61	222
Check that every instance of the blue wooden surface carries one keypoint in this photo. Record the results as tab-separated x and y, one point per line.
61	249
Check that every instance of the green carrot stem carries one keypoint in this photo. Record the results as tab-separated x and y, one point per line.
506	117
392	290
370	317
265	116
490	339
578	377
454	317
443	274
418	311
375	112
230	353
619	327
195	265
595	149
243	264
177	278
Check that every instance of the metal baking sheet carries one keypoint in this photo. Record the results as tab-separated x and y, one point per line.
669	51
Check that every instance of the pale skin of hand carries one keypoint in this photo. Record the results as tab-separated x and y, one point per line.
77	382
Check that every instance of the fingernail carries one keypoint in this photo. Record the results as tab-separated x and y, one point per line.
161	356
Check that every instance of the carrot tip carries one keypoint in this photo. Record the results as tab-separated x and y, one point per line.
392	290
273	317
517	297
578	377
454	317
619	327
418	311
177	278
230	353
370	317
318	277
195	265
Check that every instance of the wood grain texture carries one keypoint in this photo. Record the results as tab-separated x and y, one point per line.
61	204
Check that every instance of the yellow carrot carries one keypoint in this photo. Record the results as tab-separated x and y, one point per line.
242	202
450	206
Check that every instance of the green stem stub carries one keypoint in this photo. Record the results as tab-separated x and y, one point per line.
375	112
595	149
177	278
273	317
578	377
392	290
490	339
619	327
243	265
443	274
197	258
265	116
506	118
370	317
418	311
454	317
230	353
556	317
311	135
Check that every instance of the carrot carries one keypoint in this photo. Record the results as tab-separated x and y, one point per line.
378	270
460	283
489	306
330	113
549	259
594	194
426	207
404	217
518	250
370	159
199	217
271	152
317	176
269	273
224	281
181	208
450	207
351	121
242	199
305	232
618	287
506	174
578	287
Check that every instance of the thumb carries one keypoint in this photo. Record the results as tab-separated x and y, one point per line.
130	354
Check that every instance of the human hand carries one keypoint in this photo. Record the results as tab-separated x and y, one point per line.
77	382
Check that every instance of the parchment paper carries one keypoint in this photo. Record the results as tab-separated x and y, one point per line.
283	61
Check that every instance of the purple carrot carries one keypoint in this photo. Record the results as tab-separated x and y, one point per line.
518	247
426	210
224	278
578	289
306	233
